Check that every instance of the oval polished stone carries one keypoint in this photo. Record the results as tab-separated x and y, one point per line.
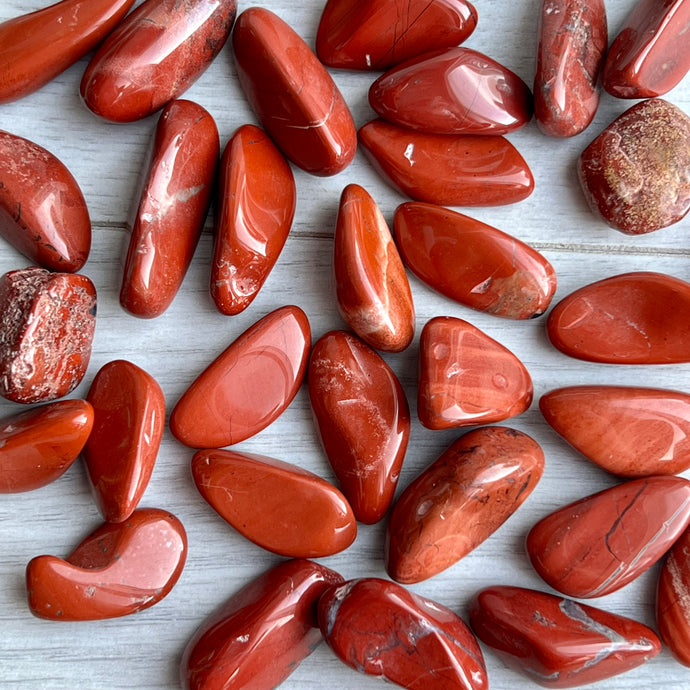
174	199
600	543
379	628
634	175
467	378
629	431
362	419
119	569
292	94
377	34
43	213
373	293
632	318
248	385
39	445
573	37
47	324
500	275
256	200
129	418
459	501
556	642
278	506
259	636
450	170
154	56
36	47
453	91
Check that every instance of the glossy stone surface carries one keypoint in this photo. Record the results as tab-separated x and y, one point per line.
597	545
43	212
154	56
450	170
377	34
632	318
460	500
174	198
277	505
629	431
39	445
556	642
362	420
634	174
453	91
256	205
248	385
650	55
120	568
36	47
129	418
371	285
572	42
467	378
260	634
47	324
380	628
292	94
500	275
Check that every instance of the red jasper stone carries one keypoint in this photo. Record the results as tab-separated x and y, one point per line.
154	56
450	170
36	47
634	174
500	275
600	543
39	445
257	198
371	285
119	569
362	419
573	37
129	418
556	642
467	378
47	324
43	213
259	636
452	91
632	318
379	628
292	94
173	203
377	34
460	501
651	54
632	432
300	515
248	385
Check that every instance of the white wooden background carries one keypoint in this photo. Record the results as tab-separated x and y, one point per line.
143	650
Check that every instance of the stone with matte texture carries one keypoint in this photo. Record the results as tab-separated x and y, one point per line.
120	568
362	419
259	636
256	206
597	545
154	56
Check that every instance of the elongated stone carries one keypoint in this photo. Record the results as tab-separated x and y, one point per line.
259	636
248	385
300	516
600	543
556	642
362	419
449	170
